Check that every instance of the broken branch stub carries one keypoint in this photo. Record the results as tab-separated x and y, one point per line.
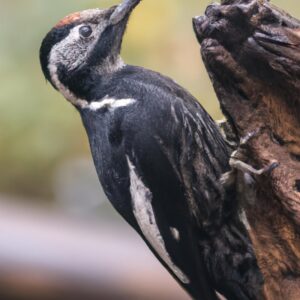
251	50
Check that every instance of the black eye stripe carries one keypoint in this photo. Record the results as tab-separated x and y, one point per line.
85	31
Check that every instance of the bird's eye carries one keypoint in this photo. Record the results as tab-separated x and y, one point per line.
85	31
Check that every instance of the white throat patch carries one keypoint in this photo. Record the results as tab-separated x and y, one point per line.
144	214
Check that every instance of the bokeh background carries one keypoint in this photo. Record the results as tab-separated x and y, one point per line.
58	234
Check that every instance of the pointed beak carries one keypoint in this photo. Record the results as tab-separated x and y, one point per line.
123	10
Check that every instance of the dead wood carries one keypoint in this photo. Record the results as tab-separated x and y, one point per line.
252	53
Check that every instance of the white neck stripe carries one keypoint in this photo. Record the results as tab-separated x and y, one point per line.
110	103
64	90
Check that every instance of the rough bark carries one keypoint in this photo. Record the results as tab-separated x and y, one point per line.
252	53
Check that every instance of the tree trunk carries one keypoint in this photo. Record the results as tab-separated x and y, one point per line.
251	50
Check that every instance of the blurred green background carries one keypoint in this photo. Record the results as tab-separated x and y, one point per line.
59	234
39	130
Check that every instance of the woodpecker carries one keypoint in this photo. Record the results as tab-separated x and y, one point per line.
158	154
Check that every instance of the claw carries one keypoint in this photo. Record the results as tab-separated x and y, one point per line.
271	167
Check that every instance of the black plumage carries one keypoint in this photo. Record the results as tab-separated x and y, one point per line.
159	157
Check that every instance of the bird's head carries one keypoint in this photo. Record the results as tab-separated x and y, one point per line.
83	41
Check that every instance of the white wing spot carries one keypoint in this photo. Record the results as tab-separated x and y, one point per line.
220	296
175	233
244	219
144	214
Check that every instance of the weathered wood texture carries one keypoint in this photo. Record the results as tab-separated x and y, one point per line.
252	53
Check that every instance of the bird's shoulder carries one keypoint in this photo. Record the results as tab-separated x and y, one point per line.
142	84
156	85
158	110
157	97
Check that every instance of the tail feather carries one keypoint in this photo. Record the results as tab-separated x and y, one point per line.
231	263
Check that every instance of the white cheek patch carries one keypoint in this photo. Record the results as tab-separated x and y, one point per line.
73	50
110	103
144	214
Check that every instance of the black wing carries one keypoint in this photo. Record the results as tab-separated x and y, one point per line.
179	155
161	200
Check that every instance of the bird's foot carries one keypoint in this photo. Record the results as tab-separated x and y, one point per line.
246	168
237	164
236	160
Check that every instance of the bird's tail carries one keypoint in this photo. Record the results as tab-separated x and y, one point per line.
231	262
